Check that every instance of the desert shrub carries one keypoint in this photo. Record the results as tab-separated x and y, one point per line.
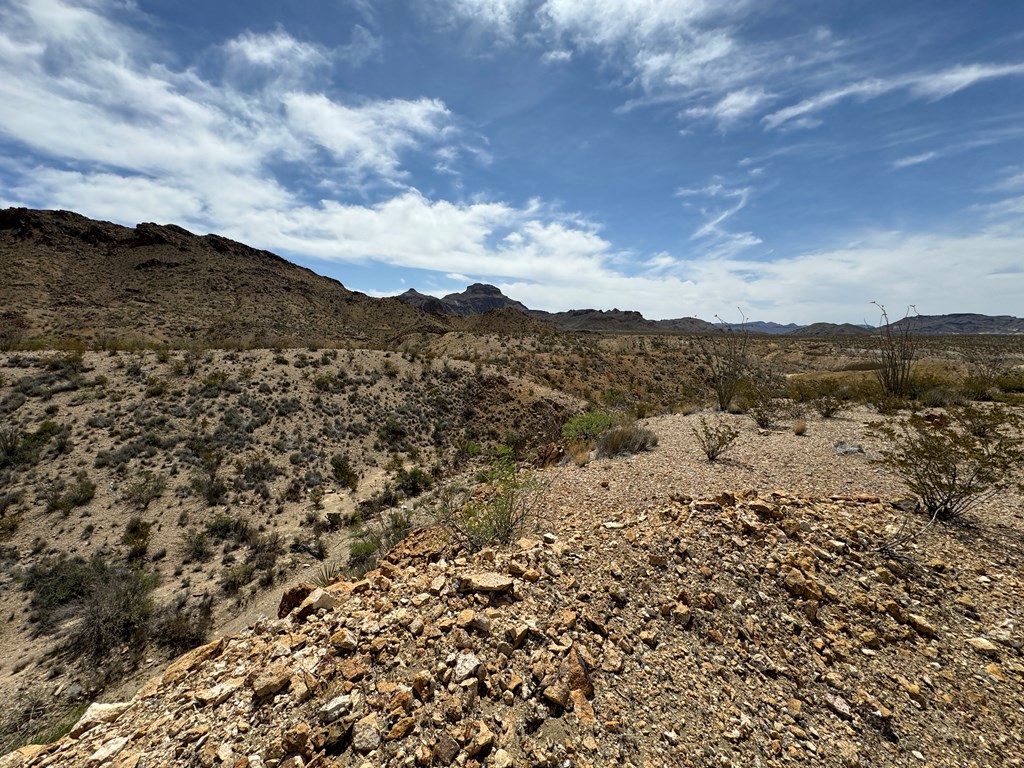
236	576
211	488
115	611
327	574
826	396
196	546
181	626
343	472
629	438
764	393
714	438
265	549
63	497
379	502
136	537
110	603
224	526
1010	382
144	489
54	583
588	427
494	514
258	469
938	396
413	482
312	545
18	447
955	460
376	538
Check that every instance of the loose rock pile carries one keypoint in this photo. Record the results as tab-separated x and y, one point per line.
740	630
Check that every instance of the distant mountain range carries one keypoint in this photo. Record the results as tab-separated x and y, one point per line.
480	298
65	276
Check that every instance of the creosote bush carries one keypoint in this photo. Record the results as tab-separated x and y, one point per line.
954	460
588	427
714	438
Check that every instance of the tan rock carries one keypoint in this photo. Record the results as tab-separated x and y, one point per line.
983	646
402	728
366	734
97	714
271	681
344	640
486	582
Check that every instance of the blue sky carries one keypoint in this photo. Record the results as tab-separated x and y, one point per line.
796	159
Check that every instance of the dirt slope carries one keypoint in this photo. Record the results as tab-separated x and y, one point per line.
640	623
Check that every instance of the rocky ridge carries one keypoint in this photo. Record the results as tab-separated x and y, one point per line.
740	629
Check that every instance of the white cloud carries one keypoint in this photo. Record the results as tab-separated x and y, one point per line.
557	56
906	162
733	107
369	138
930	85
133	114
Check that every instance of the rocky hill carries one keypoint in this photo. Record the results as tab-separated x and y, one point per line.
832	330
66	276
635	623
962	323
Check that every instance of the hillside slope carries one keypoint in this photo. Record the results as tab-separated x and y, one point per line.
68	276
638	624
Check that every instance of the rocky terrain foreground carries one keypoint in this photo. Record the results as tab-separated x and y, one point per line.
649	618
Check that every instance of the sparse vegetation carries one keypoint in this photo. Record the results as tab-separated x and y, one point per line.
896	349
626	439
495	513
725	357
954	460
714	437
588	427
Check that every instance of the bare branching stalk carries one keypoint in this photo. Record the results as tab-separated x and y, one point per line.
896	348
725	357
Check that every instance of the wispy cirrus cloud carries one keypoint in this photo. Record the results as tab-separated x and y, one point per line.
932	86
910	160
697	54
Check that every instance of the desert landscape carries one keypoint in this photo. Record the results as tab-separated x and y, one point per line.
251	518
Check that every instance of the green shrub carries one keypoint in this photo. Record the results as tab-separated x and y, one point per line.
714	438
627	439
236	576
494	514
115	611
413	482
764	394
343	473
376	538
144	489
588	427
954	460
136	537
182	626
196	546
224	526
64	497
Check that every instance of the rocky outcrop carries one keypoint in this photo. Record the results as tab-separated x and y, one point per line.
741	629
